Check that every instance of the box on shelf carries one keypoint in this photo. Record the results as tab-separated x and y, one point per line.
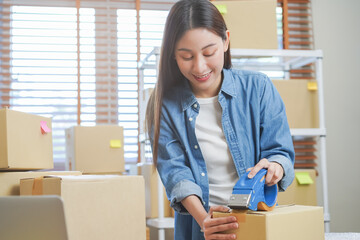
96	206
10	181
97	149
26	141
295	222
302	191
252	24
301	102
150	174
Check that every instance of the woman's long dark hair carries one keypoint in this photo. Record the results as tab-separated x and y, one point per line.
183	16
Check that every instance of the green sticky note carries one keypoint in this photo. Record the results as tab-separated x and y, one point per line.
116	143
222	8
303	178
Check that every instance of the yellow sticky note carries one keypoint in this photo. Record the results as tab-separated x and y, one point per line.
312	86
222	8
303	178
115	143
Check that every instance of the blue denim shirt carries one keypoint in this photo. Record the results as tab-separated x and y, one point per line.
255	127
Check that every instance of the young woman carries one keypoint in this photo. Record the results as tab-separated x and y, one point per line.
209	123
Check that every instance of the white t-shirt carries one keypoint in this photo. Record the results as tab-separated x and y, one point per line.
221	170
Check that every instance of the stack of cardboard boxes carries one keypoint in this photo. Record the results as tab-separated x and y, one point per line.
101	206
25	146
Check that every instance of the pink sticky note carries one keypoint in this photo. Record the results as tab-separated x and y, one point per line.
44	127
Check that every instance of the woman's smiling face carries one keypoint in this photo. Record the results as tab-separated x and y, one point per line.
200	57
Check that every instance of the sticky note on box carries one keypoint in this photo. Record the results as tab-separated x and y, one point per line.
303	178
115	143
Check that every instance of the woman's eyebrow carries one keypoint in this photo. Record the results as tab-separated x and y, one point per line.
210	45
188	50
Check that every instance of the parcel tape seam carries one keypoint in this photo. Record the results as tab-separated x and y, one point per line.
37	188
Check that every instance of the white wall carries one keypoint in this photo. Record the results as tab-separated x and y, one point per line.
337	33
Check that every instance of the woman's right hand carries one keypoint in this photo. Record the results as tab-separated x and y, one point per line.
212	226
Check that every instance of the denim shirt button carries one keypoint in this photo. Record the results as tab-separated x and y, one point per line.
195	105
202	174
196	147
190	119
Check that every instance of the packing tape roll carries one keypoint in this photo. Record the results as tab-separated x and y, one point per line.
264	207
38	186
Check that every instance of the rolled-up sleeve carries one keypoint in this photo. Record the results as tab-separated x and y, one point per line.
173	167
275	138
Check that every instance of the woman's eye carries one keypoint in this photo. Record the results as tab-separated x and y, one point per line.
187	58
209	54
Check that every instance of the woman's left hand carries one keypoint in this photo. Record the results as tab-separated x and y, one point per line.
275	171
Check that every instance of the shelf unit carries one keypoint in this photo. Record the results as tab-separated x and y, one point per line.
281	61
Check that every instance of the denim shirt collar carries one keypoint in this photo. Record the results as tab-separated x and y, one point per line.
188	98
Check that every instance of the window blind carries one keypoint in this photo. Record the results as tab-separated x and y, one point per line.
74	61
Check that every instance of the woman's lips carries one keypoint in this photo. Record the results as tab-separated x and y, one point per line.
202	77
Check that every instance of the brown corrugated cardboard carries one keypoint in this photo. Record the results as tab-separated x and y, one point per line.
150	174
301	102
300	193
26	141
97	206
147	233
10	181
283	223
97	149
252	24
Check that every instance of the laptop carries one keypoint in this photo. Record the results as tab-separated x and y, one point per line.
32	218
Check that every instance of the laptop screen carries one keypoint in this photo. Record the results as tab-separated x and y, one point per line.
32	217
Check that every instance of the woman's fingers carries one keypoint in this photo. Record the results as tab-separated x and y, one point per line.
274	174
218	209
213	226
213	222
222	236
269	175
263	163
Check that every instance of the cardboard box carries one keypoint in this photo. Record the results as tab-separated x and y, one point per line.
25	141
97	206
150	174
302	191
283	223
252	24
147	233
10	181
97	149
301	102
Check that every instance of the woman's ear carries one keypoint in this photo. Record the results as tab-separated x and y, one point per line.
227	41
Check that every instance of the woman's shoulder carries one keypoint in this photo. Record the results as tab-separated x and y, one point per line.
246	79
247	74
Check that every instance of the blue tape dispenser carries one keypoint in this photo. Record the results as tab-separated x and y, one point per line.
253	193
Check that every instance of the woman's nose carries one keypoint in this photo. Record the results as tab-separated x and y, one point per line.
199	65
